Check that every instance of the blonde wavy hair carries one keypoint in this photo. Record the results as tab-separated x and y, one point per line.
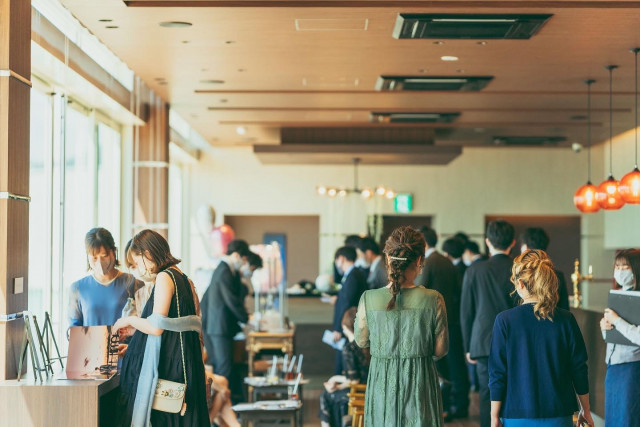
535	270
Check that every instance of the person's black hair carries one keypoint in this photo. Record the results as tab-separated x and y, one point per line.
254	260
500	234
454	247
535	238
472	247
462	236
348	252
429	235
368	244
353	241
239	246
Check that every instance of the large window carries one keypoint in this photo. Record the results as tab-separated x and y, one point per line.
75	186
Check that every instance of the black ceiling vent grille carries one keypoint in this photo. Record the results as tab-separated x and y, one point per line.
528	141
435	83
461	26
378	117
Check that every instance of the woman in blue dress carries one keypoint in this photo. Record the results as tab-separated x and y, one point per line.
622	383
538	359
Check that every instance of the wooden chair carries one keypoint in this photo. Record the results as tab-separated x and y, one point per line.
358	418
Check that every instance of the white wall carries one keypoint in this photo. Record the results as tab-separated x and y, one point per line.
482	181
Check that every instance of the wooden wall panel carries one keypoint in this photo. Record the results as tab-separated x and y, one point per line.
15	73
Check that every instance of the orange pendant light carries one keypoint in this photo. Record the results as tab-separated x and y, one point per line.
585	197
630	183
608	195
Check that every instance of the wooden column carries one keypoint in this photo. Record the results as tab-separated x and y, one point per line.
15	85
151	164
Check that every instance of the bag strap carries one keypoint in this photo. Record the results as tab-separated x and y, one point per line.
184	369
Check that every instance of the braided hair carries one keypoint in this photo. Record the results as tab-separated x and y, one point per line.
404	247
535	270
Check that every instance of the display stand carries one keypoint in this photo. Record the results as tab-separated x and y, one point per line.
40	341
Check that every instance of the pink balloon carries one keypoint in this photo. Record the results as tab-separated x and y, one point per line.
220	238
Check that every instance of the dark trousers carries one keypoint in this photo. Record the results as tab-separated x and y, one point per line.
220	354
458	373
482	367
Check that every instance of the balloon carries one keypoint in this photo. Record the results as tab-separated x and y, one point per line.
220	238
205	219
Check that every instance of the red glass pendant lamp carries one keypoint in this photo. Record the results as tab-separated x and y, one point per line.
608	195
630	183
585	197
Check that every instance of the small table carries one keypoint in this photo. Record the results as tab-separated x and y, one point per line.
259	385
269	410
258	341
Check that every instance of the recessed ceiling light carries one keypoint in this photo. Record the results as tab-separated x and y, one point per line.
439	43
449	58
241	130
175	24
422	70
215	82
111	27
482	43
105	20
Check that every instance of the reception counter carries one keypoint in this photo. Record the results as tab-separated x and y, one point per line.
589	322
54	402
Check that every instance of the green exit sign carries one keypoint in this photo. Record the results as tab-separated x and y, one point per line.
403	203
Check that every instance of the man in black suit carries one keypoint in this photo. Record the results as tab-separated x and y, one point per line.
537	238
223	308
354	283
471	254
377	277
453	249
486	292
440	274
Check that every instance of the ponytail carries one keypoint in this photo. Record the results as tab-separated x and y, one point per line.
535	270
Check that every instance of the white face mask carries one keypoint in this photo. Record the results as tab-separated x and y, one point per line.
142	273
467	262
103	267
246	272
624	278
362	263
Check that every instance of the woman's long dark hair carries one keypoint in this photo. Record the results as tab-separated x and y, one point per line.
632	257
404	247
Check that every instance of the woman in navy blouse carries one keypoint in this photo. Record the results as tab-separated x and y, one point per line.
538	360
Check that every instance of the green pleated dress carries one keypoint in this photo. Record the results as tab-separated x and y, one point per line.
402	388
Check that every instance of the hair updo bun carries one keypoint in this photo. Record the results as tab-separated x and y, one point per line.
404	247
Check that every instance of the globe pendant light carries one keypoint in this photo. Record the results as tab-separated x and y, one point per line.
630	183
608	195
585	197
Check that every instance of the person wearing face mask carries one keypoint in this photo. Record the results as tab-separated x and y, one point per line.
538	359
377	277
254	262
166	344
223	309
99	298
621	385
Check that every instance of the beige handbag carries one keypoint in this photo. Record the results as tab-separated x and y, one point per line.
169	395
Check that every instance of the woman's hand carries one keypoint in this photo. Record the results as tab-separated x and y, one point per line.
121	323
611	315
122	349
605	325
495	422
584	417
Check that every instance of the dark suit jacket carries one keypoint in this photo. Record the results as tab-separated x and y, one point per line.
222	304
349	296
441	275
461	268
485	293
377	277
563	293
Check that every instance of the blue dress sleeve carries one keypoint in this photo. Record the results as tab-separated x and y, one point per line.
498	362
75	306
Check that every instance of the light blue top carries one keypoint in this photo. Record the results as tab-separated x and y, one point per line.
94	304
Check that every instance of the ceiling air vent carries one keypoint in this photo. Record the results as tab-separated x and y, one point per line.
528	141
435	83
461	26
413	117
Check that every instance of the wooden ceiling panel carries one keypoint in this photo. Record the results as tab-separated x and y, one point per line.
275	75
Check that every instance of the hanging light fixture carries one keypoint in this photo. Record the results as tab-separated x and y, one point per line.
630	183
366	193
585	197
608	195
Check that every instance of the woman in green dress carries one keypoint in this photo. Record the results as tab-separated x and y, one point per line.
405	327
